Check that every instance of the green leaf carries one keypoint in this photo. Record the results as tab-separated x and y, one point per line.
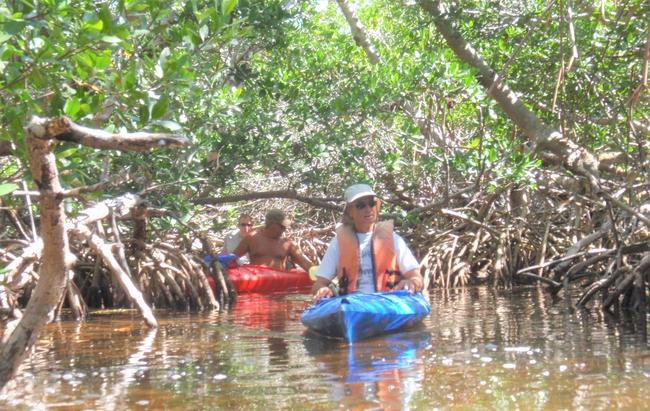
204	14
68	205
14	26
204	31
143	112
7	188
111	39
227	6
102	62
245	31
4	37
169	125
159	109
67	153
56	104
38	79
85	59
72	106
94	25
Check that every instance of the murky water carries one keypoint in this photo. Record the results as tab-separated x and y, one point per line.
478	350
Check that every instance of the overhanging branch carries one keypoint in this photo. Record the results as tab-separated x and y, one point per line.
291	194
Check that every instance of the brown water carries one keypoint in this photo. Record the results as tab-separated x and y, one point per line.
478	350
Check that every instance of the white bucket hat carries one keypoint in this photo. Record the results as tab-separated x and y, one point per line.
357	191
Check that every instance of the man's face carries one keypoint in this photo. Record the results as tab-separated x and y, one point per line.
363	210
245	225
276	230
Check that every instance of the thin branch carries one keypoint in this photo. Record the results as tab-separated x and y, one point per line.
455	214
560	260
542	279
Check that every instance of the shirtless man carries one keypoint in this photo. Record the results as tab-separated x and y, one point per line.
268	246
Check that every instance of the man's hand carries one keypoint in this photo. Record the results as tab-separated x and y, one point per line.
324	292
321	289
412	286
412	282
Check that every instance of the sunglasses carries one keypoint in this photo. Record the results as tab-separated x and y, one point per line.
361	205
246	224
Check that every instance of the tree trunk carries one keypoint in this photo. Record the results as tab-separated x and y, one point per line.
56	254
57	259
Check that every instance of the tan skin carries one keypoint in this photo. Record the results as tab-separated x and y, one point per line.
269	247
364	222
246	227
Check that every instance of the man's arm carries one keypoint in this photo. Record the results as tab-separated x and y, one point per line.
321	289
412	281
242	249
298	258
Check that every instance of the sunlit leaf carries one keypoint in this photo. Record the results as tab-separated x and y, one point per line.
111	39
102	61
67	153
204	31
94	24
72	106
227	6
205	14
7	188
169	125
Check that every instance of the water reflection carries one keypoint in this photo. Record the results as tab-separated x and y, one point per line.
267	314
381	372
478	349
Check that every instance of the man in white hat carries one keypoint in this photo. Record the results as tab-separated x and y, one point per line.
366	255
269	247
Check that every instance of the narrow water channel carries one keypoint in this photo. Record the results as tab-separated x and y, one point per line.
479	349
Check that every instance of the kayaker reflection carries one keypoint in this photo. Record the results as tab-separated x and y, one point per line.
269	246
372	375
387	389
232	240
366	256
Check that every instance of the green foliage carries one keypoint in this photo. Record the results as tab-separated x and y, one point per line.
129	66
281	91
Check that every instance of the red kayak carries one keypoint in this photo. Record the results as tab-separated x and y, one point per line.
260	279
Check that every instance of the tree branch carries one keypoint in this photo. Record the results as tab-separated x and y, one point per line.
358	32
63	129
292	194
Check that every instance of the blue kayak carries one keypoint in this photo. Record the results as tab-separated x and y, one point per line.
224	259
358	316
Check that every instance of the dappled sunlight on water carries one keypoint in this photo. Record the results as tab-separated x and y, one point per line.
479	349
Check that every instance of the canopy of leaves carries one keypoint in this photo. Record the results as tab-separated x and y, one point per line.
276	94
